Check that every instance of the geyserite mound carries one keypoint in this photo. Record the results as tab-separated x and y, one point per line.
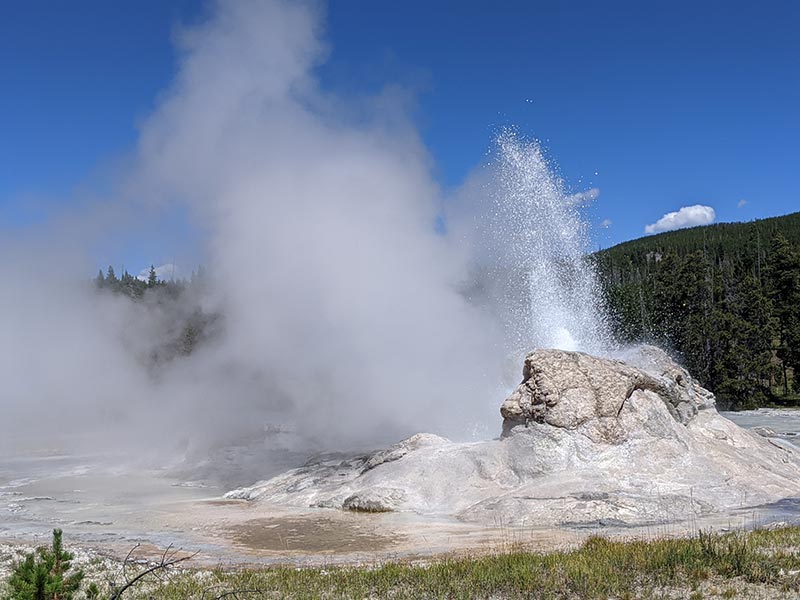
585	440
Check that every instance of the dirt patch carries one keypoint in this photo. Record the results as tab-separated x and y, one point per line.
312	534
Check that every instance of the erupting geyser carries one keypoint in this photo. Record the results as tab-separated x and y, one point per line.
552	298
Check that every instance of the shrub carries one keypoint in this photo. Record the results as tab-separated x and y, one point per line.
45	574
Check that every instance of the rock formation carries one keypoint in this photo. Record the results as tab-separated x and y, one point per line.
576	391
585	440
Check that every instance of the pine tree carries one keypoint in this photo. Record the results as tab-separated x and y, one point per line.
784	281
681	300
742	346
44	574
152	278
112	282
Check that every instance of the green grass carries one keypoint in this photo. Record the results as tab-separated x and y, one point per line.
601	568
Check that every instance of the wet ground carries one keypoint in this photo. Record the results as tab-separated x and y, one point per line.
100	503
320	535
784	422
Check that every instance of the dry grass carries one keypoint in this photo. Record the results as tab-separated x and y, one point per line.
756	564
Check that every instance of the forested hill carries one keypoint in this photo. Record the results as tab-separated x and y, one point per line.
727	238
725	298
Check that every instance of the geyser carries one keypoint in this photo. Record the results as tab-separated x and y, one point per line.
558	301
342	307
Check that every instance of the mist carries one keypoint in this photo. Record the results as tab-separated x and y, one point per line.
347	314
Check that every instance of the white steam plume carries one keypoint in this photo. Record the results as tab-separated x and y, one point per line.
341	300
345	314
342	316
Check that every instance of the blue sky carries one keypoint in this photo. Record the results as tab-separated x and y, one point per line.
660	105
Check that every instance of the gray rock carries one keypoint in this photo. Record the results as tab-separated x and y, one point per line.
376	499
577	391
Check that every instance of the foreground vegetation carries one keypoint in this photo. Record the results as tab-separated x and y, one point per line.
724	298
757	564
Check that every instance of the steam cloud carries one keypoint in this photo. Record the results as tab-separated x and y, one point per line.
346	315
341	303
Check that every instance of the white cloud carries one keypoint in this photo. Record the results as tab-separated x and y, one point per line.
687	216
584	197
163	272
606	223
741	203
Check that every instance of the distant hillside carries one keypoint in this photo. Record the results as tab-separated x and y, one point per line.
725	239
725	297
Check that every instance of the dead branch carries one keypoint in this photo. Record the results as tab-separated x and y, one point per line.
232	594
168	560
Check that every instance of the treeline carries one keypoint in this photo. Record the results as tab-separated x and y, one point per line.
174	306
135	288
725	298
